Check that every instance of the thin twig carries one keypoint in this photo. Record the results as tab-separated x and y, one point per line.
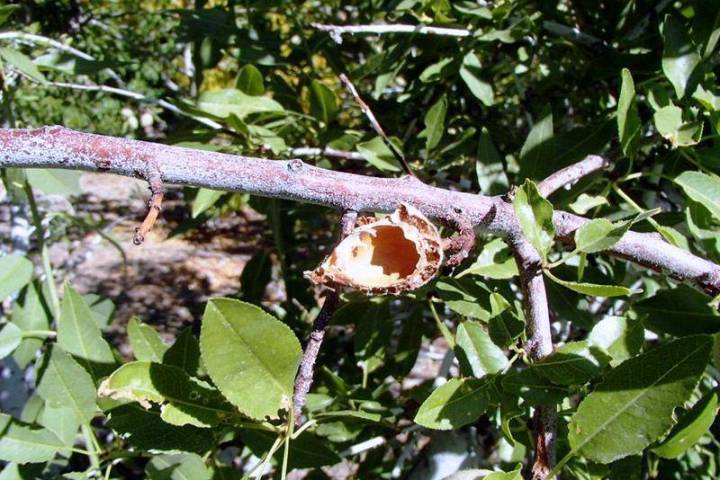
58	147
304	378
325	152
336	31
399	156
572	173
538	346
154	207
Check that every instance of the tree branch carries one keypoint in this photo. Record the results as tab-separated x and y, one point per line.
325	152
57	147
538	346
572	173
336	31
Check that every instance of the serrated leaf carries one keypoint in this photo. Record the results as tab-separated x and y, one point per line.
22	62
166	385
323	102
378	155
628	119
494	261
679	311
223	103
184	353
79	335
21	443
145	341
592	289
612	422
250	80
15	272
476	351
181	466
65	383
250	356
454	404
695	423
435	123
10	338
703	188
680	58
571	364
535	215
204	199
145	430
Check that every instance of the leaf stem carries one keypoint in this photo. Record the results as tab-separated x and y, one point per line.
39	333
442	327
91	445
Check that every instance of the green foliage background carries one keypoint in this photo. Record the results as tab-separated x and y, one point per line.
533	87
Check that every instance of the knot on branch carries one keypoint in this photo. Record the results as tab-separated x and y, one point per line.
154	207
459	246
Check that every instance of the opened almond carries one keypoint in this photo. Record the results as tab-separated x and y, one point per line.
398	253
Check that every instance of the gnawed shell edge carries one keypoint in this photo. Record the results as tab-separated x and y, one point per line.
398	253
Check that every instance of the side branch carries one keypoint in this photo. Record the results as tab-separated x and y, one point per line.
572	173
57	147
336	31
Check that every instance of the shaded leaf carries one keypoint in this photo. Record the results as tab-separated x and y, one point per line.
54	181
612	422
378	155
250	81
181	466
465	296
454	404
537	145
323	102
695	423
184	353
145	341
680	57
533	387
30	313
620	337
435	123
306	451
483	91
628	119
703	188
476	352
571	364
679	311
205	199
223	103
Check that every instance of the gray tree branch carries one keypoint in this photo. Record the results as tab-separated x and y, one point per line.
58	147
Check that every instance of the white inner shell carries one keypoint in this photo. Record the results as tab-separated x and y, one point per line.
377	257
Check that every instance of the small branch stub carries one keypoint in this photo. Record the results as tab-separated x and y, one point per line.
398	253
154	207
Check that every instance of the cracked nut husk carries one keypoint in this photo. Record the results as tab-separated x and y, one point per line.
398	253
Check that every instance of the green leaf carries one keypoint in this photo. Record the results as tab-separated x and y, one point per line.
70	64
306	451
204	199
15	272
250	356
323	102
494	261
62	421
378	155
22	62
30	313
679	311
250	81
435	71
703	188
181	466
533	387
145	430
592	289
613	422
482	90
600	234
620	337
454	404
505	328
255	277
706	26
571	364
680	58
669	123
183	399
54	181
372	335
10	338
223	103
537	145
21	443
695	423
476	352
466	296
481	474
6	11
79	335
184	353
64	383
145	341
628	118
585	203
435	123
535	215
489	167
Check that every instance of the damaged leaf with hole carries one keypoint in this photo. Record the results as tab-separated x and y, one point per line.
398	253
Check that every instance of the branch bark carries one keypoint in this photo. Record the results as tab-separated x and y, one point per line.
336	31
538	346
572	173
57	147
